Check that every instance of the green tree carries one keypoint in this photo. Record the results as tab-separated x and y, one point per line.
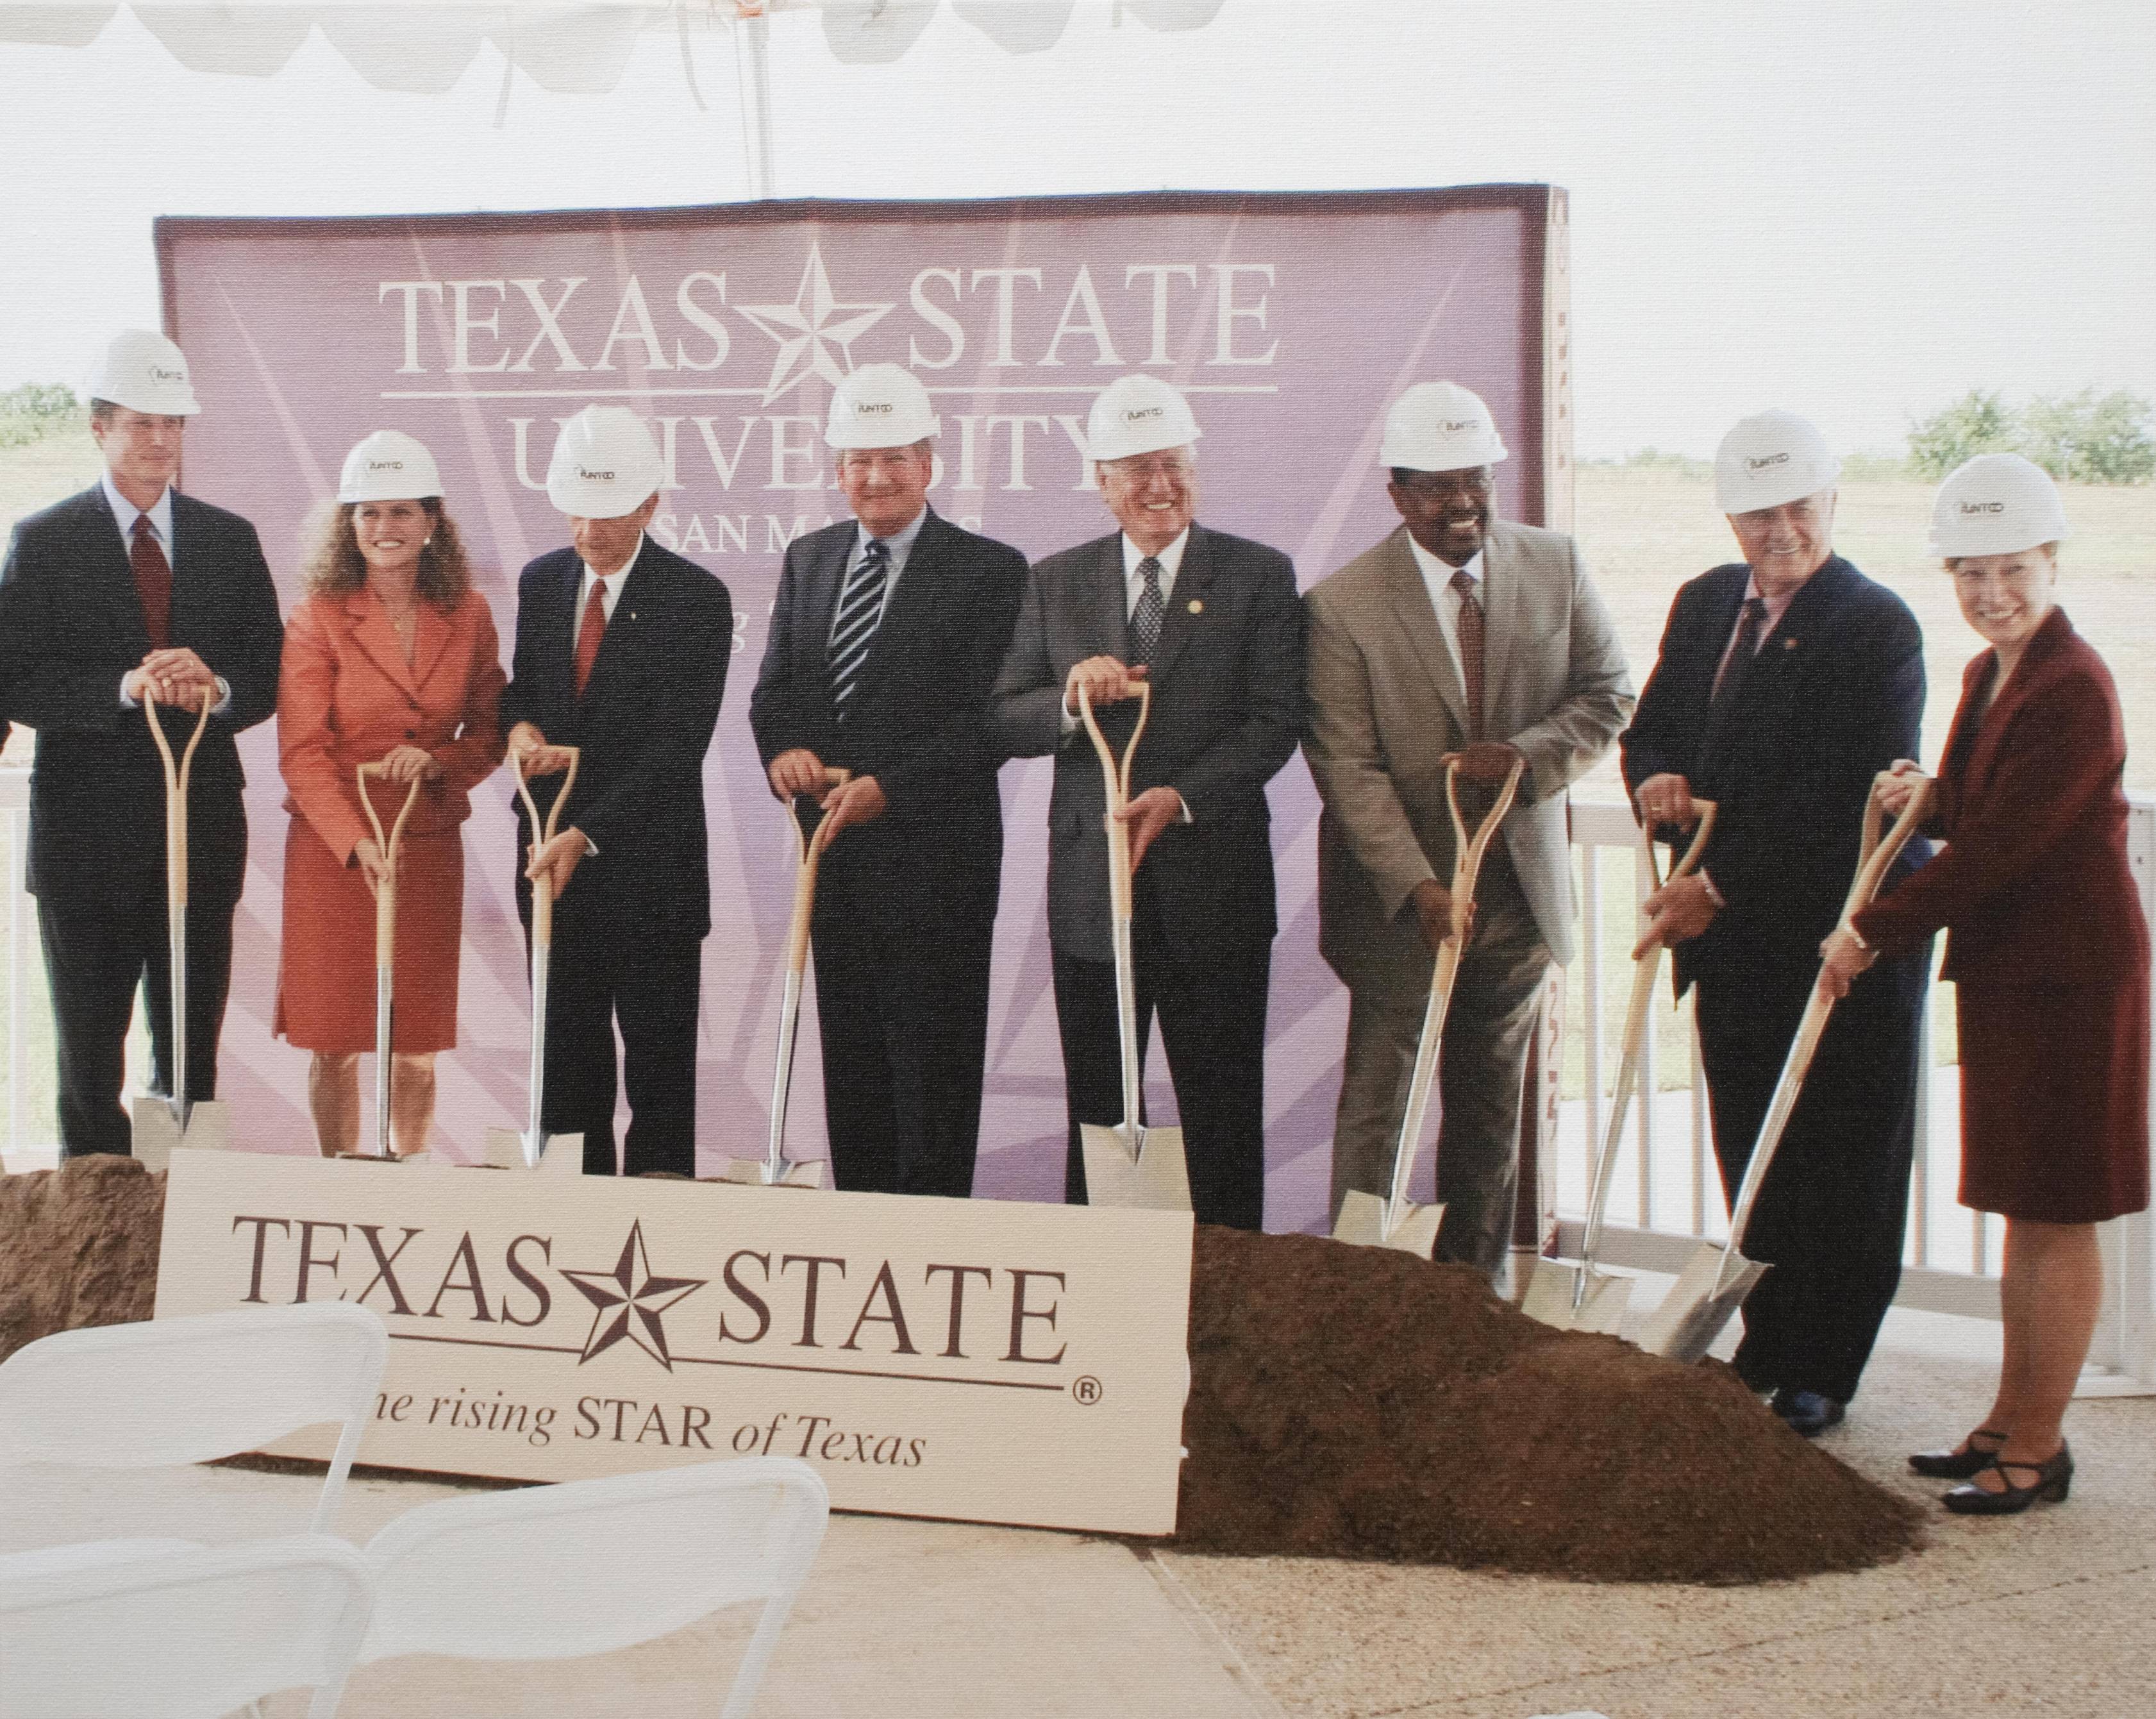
33	411
1979	422
2093	441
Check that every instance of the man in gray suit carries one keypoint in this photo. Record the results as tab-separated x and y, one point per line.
1212	623
1456	634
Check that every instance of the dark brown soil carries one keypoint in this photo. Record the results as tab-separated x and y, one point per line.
1359	1403
1345	1401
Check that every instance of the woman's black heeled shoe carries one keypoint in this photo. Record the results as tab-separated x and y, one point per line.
1962	1464
2053	1479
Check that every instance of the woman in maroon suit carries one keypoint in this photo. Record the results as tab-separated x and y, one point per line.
2050	952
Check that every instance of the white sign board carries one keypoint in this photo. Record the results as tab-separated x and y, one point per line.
983	1360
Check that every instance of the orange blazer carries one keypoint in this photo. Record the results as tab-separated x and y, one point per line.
346	696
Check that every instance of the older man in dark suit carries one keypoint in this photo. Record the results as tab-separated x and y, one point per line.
884	640
1786	681
1213	625
622	649
130	591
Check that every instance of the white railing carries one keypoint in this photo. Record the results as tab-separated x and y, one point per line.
1666	1198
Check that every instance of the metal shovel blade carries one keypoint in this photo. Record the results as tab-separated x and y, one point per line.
1576	1297
756	1173
1153	1177
556	1154
1413	1228
159	1130
1711	1288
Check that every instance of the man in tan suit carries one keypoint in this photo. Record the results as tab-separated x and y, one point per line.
1452	604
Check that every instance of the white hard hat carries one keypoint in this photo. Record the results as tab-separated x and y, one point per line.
604	465
1440	426
145	373
880	405
1996	504
1771	459
1138	414
389	466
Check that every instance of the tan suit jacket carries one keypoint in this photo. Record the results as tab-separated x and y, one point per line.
1387	705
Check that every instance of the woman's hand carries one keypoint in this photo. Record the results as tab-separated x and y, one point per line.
368	856
1842	959
1892	791
411	763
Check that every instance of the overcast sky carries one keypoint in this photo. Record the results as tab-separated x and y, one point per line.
1859	211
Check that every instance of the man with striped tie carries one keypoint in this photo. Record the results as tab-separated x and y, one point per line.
886	636
622	649
1213	625
1461	634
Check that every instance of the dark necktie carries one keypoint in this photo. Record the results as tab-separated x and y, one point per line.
589	634
853	628
1729	687
1471	650
153	581
1146	617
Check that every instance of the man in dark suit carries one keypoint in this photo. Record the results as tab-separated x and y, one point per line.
885	640
128	591
1213	625
622	649
1785	682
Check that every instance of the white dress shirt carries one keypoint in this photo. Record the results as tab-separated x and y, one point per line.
160	515
898	545
1437	579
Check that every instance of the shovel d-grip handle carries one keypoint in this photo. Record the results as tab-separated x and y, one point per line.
1644	971
543	890
809	850
177	777
385	898
1115	779
1875	854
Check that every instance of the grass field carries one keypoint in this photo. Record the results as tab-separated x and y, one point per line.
1645	530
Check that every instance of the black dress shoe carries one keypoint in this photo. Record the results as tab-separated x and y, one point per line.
1962	1464
1807	1412
2053	1479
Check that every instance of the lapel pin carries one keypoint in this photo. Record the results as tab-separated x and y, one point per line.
1789	644
1197	606
632	614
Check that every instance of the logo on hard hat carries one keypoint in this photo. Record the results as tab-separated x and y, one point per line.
1458	426
1139	414
385	466
1969	507
1766	460
159	374
873	408
594	477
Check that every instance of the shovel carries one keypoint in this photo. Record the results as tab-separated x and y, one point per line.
534	1148
1718	1277
385	951
774	1169
1128	1164
160	1124
1396	1221
1579	1297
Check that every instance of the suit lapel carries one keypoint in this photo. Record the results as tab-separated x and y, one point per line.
1194	579
620	639
373	632
829	575
1108	623
1503	607
112	572
1411	606
1983	744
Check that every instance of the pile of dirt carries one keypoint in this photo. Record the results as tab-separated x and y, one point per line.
1359	1403
1345	1401
78	1246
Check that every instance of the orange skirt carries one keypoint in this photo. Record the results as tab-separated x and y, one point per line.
325	968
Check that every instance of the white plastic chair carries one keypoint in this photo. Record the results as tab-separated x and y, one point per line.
191	1636
171	1391
555	1572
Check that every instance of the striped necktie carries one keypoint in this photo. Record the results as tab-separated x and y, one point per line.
853	628
1470	626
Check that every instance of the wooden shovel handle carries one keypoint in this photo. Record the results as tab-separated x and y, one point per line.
542	895
1467	851
1117	781
810	850
1874	854
385	900
177	779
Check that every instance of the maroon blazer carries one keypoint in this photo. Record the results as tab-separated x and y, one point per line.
2033	886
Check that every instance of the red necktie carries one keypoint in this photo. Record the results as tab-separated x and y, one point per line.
589	634
1471	650
153	582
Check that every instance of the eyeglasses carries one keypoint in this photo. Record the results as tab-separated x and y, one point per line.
1143	468
1437	485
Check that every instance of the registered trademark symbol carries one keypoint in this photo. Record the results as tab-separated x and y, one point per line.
1086	1389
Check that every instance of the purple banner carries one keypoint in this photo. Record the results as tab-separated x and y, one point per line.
1290	322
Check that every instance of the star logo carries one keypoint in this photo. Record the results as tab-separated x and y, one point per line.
628	1300
808	328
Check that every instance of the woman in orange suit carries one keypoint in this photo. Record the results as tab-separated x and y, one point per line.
2049	952
393	659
